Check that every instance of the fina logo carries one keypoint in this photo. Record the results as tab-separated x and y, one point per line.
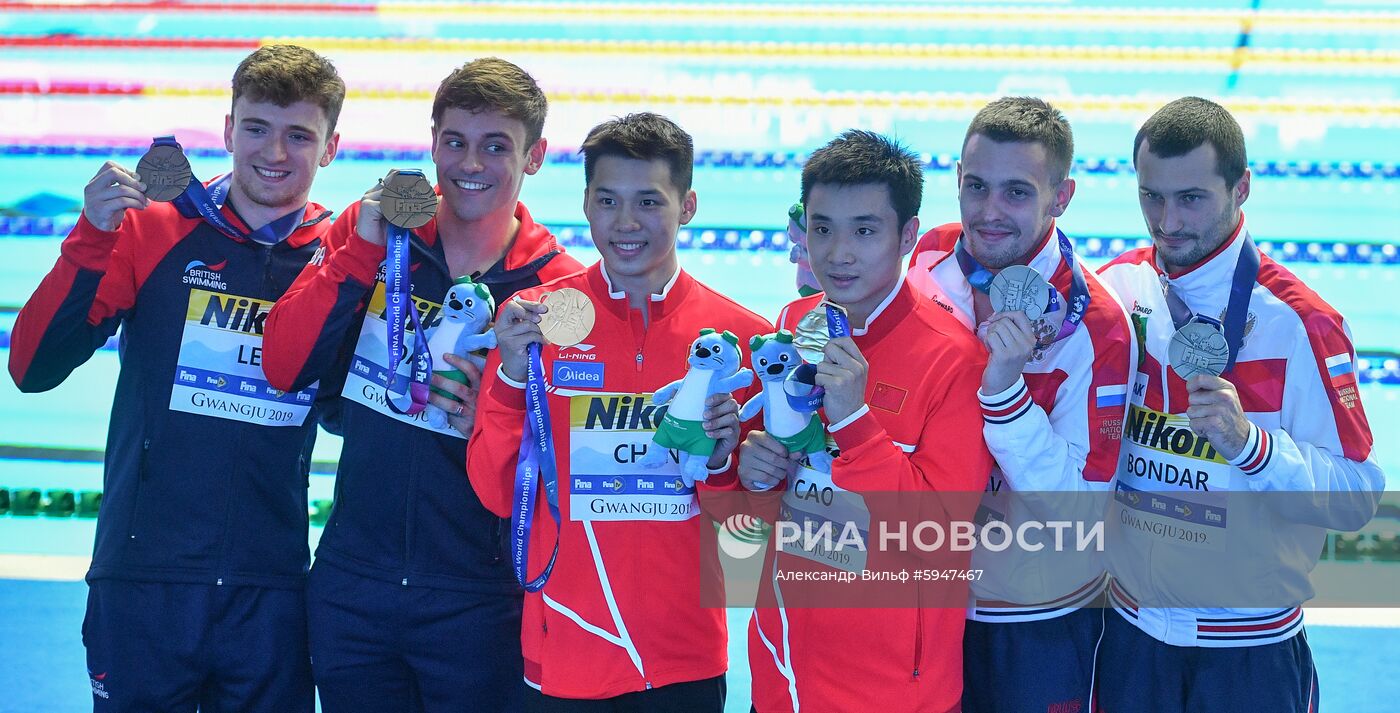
578	375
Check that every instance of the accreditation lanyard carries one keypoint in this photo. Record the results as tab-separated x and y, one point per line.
837	326
207	204
398	294
1236	310
981	279
536	463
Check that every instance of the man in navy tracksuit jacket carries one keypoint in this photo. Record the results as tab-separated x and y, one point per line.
196	586
412	604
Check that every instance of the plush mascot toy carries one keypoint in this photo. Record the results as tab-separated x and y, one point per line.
463	330
715	368
775	357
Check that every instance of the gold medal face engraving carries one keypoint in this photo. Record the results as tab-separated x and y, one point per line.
569	319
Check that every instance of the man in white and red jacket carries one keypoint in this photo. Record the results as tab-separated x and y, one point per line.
900	402
1228	483
618	617
1053	398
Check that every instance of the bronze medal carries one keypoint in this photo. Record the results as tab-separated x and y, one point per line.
166	173
408	200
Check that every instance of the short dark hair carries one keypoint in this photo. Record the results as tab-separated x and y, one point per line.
491	83
859	157
1185	124
1028	120
286	74
645	136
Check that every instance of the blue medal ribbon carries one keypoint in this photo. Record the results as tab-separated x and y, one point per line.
1236	310
536	461
981	279
837	325
398	295
207	204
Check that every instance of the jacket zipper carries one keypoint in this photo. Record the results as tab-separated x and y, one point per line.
140	480
918	640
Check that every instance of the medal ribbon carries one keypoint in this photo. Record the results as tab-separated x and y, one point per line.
207	203
398	294
536	459
1236	310
981	279
837	325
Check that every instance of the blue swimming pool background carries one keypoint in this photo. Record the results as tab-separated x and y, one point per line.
1316	87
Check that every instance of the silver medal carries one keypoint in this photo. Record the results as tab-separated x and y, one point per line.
1198	348
1020	288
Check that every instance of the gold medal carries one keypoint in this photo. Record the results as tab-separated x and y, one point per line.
408	200
166	173
569	319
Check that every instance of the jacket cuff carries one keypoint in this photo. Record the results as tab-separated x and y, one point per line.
860	428
89	247
1008	405
360	259
1258	451
507	391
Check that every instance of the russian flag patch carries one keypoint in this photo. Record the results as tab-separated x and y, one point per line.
1111	396
1338	365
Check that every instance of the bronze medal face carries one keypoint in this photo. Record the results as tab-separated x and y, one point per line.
166	173
569	319
1198	348
1019	288
408	200
813	333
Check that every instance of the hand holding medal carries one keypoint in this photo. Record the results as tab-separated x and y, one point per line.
814	331
565	317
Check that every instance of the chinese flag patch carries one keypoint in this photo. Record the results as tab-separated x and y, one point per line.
888	398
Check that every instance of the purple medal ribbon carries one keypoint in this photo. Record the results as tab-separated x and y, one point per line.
398	294
536	459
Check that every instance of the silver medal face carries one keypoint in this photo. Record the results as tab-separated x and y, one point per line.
1020	288
811	336
1198	348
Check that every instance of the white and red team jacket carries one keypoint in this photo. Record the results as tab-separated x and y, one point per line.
1054	433
622	610
1178	543
918	433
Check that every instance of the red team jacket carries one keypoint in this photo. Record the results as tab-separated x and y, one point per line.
621	611
921	431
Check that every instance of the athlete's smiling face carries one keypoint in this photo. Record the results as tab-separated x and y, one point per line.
1008	196
276	151
856	244
634	210
482	159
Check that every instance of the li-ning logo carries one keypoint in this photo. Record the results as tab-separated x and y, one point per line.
742	536
201	274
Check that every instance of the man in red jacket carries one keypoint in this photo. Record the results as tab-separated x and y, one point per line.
411	603
195	593
901	403
616	614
